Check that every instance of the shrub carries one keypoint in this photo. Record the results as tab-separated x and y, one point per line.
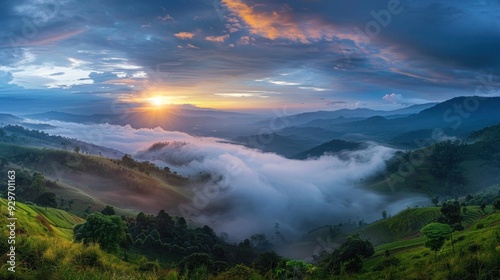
88	258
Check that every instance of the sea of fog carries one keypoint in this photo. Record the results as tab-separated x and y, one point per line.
245	191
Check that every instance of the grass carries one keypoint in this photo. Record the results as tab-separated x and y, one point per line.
96	181
45	249
417	261
38	221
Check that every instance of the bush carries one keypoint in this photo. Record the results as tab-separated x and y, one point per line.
479	226
145	265
239	272
474	248
190	263
87	258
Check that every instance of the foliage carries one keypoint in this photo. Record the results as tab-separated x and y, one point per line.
107	231
451	215
436	234
349	256
108	211
496	204
47	199
194	261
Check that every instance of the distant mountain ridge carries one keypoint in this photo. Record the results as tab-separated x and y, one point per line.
330	147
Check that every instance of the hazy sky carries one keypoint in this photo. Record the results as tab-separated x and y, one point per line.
78	56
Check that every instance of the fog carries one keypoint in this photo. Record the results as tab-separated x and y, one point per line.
243	191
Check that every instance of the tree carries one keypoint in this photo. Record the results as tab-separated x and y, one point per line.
496	204
483	206
436	234
384	214
165	223
107	231
37	186
77	149
260	241
108	211
3	162
266	261
46	199
350	255
452	215
435	200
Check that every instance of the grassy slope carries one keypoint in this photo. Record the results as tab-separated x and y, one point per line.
95	181
417	261
35	220
45	249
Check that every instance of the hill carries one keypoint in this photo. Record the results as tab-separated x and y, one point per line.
45	249
332	147
19	135
475	255
444	168
87	180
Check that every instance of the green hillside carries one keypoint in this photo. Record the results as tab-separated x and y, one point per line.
94	181
45	250
450	168
477	256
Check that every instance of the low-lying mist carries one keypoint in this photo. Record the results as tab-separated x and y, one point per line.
243	191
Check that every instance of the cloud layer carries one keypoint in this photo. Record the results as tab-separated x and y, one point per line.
243	191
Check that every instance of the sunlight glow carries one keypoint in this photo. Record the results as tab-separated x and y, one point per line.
158	100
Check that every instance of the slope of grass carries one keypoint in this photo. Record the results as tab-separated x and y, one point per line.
96	181
45	250
477	256
404	225
40	221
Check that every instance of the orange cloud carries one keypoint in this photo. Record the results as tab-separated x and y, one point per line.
184	35
282	24
217	39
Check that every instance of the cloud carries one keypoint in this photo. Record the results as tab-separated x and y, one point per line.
282	23
247	191
217	39
396	98
184	35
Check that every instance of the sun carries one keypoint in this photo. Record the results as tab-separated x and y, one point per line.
157	100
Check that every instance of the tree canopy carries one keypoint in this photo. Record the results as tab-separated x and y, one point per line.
107	231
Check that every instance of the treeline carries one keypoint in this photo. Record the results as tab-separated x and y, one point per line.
199	250
31	188
18	134
149	168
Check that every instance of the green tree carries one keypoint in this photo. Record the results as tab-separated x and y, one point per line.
107	231
46	199
452	215
435	200
436	234
37	186
108	211
384	214
496	204
350	255
77	149
266	261
3	162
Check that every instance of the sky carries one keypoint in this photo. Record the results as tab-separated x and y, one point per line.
244	55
